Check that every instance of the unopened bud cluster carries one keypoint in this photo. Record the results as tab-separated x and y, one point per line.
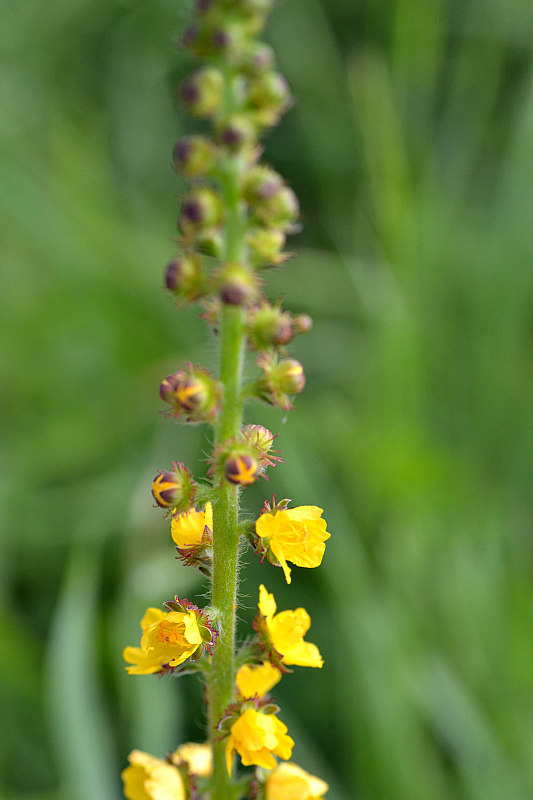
254	96
242	94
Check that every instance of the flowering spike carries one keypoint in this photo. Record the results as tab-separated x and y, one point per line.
233	221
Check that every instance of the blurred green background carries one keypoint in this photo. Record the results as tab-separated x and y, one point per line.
409	149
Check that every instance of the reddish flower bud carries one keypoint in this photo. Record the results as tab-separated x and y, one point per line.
302	323
260	57
281	209
192	393
228	38
266	245
202	92
193	156
269	326
260	183
201	209
258	437
236	132
270	96
210	242
289	376
281	378
241	468
174	490
236	284
184	278
259	440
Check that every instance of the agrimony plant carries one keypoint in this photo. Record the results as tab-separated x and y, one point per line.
233	224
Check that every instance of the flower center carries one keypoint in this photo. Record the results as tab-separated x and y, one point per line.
167	632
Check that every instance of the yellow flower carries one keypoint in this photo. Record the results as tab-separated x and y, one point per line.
293	534
149	778
187	529
197	757
257	679
257	738
168	639
290	782
285	631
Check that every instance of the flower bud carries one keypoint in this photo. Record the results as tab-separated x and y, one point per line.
258	437
236	285
192	393
302	323
269	326
228	38
236	132
281	209
259	57
261	183
241	468
269	96
200	209
174	489
184	278
259	440
202	92
210	242
281	378
289	376
266	245
193	156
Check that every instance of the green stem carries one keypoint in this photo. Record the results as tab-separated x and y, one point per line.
221	691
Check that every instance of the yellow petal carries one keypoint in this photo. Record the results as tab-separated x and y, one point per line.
310	555
257	679
291	781
230	750
304	654
267	604
150	778
142	662
265	525
209	516
262	757
279	554
192	632
151	615
302	513
198	757
187	529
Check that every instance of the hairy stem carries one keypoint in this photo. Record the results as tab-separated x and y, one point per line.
226	497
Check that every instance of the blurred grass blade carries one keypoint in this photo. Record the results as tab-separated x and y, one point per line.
73	694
